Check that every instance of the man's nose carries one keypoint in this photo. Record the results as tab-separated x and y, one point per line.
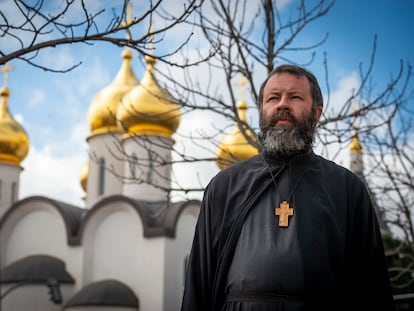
283	104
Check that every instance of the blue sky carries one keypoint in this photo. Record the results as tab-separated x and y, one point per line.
53	107
352	26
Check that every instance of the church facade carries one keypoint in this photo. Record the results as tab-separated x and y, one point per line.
126	249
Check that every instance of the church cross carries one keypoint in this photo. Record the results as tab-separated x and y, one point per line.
128	21
284	211
242	84
6	69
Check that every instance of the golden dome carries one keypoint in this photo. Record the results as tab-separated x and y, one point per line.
83	178
355	146
149	109
14	142
235	147
102	111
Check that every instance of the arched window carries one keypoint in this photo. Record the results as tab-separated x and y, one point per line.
101	181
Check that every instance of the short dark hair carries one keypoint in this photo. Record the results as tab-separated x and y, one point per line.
299	71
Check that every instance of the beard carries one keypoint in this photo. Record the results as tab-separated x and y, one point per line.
280	141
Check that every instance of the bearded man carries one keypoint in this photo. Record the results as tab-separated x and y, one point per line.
287	229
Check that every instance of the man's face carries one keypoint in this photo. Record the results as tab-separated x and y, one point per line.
285	96
288	120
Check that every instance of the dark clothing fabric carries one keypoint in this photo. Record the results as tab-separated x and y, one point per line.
330	256
267	259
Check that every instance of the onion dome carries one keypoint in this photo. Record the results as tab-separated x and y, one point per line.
102	111
235	147
14	142
149	109
83	178
355	146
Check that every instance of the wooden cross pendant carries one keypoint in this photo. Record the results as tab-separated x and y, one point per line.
284	211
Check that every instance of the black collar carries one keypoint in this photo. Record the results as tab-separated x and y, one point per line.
301	159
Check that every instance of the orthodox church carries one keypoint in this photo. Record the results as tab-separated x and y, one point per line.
126	249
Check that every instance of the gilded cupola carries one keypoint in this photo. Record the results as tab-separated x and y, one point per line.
149	109
355	145
14	142
83	178
103	109
235	147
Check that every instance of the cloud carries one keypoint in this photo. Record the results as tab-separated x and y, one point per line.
37	98
61	58
197	174
51	176
345	87
53	173
58	147
95	75
339	152
281	4
19	118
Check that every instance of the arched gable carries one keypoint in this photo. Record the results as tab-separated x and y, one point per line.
71	215
157	218
26	228
176	213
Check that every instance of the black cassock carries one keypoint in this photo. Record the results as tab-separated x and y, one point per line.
330	256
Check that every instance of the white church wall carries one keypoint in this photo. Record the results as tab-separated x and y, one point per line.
9	176
31	297
150	285
74	262
116	249
104	146
149	151
33	228
36	228
177	250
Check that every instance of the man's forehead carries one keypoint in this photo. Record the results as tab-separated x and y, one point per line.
289	75
284	79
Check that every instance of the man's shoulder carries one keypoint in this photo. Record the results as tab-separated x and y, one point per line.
328	163
242	167
239	173
331	167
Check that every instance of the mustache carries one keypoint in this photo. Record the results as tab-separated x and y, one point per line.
283	115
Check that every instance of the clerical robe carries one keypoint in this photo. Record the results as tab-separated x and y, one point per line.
330	255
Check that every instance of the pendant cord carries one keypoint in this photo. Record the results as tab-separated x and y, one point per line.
289	173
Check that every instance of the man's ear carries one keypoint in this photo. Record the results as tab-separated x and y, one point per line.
318	112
